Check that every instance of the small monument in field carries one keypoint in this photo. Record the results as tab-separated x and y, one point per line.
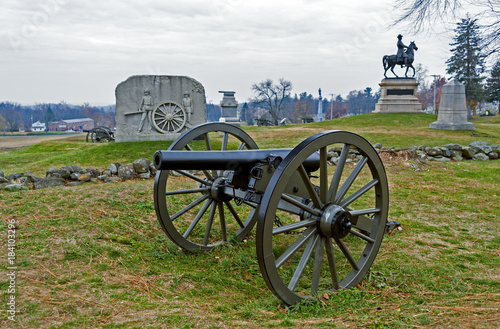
229	108
399	94
158	107
452	113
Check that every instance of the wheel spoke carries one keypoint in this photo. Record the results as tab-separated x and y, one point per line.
294	247
347	201
293	226
194	190
222	221
234	213
362	236
338	172
323	175
189	207
197	218
362	223
310	187
242	145
300	205
331	263
347	254
224	141
207	142
209	223
318	258
348	182
193	177
303	262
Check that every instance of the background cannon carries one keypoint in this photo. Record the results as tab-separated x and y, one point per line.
100	135
320	208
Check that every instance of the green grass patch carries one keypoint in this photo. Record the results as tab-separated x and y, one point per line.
94	256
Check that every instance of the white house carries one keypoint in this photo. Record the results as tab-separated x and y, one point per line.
38	126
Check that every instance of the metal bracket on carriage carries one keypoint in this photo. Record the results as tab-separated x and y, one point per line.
390	226
250	197
263	171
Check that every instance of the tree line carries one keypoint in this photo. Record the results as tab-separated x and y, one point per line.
274	102
14	116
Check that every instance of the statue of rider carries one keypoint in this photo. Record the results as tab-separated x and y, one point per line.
401	54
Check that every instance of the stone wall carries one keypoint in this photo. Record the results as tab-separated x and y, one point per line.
144	169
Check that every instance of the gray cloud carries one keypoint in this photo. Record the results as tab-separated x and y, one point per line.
80	50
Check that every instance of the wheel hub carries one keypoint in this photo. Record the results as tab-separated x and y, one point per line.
169	117
335	222
217	190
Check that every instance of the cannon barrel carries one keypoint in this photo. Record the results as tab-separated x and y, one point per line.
225	160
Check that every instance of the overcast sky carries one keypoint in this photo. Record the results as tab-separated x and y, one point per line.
78	51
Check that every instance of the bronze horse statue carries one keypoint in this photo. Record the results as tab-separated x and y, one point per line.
389	61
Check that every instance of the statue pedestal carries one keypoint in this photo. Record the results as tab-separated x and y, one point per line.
398	95
452	113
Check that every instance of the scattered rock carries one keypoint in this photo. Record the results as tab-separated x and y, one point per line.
111	179
49	182
84	177
13	177
433	151
113	169
480	157
468	152
32	179
93	172
455	147
481	147
141	165
75	183
14	187
145	175
493	155
126	172
72	169
152	169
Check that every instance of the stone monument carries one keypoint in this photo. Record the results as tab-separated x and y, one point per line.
229	108
452	113
158	107
398	95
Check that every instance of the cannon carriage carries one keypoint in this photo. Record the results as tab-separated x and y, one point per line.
320	208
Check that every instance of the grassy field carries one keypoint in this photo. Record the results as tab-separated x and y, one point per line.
94	256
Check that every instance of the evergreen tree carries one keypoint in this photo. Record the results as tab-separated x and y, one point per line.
467	62
49	116
493	86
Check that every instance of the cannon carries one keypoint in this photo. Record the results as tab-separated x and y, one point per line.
99	135
320	208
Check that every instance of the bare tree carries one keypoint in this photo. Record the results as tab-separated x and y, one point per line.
420	16
272	96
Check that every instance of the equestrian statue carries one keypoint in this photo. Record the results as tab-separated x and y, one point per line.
403	57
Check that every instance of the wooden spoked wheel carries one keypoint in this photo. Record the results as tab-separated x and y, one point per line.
193	208
320	231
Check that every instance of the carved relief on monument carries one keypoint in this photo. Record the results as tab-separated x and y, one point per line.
158	107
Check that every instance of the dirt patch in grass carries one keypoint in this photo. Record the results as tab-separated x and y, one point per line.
19	142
